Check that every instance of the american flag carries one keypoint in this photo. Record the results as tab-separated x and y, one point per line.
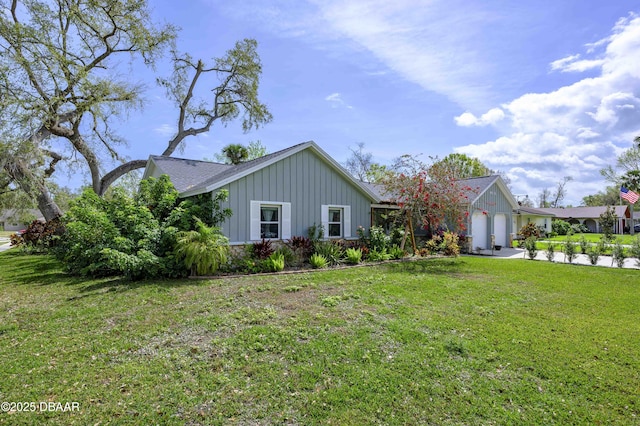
629	195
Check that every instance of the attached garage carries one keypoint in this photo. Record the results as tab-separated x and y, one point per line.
491	206
479	230
500	229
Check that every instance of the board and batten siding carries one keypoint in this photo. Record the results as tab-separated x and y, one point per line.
493	201
307	182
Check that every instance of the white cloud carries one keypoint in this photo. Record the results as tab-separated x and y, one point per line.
420	40
573	63
491	117
575	130
336	101
165	130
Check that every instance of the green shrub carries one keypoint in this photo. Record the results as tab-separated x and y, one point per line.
569	250
133	236
550	252
315	233
584	245
619	254
331	251
593	253
396	236
318	261
603	248
560	227
608	221
203	250
353	256
117	224
578	228
378	239
396	252
275	262
530	247
378	255
289	256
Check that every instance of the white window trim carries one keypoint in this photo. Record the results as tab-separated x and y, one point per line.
254	218
346	219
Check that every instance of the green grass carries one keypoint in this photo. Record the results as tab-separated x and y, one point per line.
6	234
594	238
472	340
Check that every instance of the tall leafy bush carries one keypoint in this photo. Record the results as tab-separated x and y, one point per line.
133	236
203	249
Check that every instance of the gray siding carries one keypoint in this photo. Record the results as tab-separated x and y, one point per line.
493	201
307	182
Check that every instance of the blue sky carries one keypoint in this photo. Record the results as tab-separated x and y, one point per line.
538	89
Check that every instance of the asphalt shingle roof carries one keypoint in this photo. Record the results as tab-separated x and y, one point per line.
186	174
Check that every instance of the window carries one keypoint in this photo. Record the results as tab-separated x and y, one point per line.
269	222
335	223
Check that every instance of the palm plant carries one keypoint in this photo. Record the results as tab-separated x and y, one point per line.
203	249
236	153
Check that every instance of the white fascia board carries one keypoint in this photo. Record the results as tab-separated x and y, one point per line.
312	145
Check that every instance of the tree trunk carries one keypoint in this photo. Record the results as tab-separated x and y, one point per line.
47	206
34	186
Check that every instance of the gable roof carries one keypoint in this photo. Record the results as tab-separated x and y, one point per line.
474	188
198	177
477	186
185	174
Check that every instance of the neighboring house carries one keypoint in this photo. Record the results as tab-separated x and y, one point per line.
16	220
276	196
590	216
525	215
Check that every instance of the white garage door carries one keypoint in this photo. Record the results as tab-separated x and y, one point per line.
479	230
500	229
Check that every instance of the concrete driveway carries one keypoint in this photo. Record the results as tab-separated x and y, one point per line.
4	244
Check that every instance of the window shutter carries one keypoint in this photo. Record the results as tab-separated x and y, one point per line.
286	221
346	221
254	220
324	220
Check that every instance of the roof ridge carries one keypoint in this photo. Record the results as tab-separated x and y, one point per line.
170	157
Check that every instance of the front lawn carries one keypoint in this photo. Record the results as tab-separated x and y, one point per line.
471	340
594	238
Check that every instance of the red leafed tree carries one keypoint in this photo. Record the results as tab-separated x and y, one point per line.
428	196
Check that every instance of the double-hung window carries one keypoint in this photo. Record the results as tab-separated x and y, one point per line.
269	220
336	220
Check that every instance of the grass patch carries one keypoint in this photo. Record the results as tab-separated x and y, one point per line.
472	340
594	238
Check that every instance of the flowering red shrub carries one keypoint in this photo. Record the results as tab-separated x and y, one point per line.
431	196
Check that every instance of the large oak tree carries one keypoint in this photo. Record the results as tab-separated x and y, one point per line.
60	91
